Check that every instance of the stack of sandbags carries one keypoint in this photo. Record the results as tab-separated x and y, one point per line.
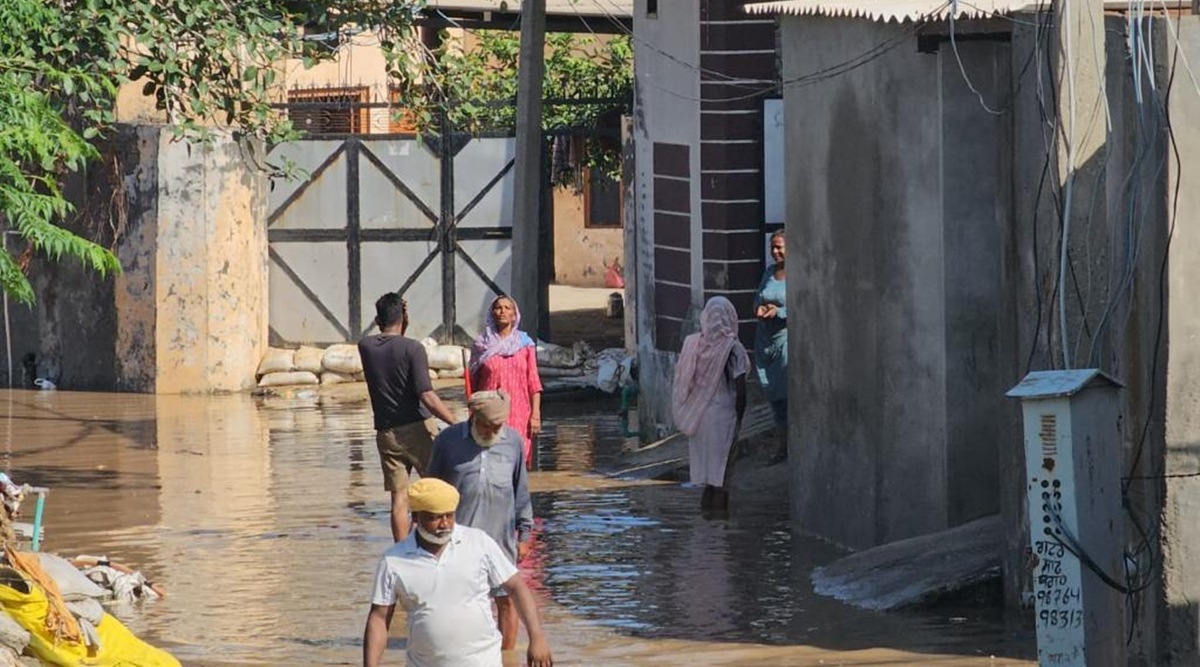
430	345
310	365
341	364
278	369
448	361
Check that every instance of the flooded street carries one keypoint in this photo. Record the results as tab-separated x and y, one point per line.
263	519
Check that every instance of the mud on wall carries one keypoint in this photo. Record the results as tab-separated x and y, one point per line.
188	311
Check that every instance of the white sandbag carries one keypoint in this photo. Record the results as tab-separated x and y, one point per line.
286	379
451	373
429	344
342	358
277	361
433	375
309	359
608	376
72	583
331	377
446	358
360	377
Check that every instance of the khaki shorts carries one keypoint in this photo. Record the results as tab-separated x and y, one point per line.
403	448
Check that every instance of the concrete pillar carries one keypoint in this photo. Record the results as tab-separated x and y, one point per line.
211	267
1079	61
1178	633
527	188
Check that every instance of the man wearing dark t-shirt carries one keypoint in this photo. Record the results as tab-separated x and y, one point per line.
397	373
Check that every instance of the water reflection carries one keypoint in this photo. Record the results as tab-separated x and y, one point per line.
263	519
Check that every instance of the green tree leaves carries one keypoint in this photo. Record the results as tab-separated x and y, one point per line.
206	62
476	85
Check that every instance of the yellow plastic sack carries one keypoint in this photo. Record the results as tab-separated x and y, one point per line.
121	648
118	646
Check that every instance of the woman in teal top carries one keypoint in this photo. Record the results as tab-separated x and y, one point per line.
770	342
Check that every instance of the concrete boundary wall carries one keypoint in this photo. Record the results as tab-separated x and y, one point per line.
188	312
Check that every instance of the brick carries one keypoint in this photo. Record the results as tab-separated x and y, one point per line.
672	195
741	245
747	216
673	265
731	186
672	230
671	160
731	275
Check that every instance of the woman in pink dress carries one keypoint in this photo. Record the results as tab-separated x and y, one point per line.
504	357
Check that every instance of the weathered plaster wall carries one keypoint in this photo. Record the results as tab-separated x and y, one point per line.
188	311
1178	639
211	268
85	331
581	253
665	112
895	244
134	293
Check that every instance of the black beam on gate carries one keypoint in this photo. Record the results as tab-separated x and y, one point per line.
353	237
447	230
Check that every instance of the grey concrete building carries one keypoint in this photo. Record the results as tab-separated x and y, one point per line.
927	207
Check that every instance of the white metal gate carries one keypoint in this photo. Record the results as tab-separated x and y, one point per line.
373	215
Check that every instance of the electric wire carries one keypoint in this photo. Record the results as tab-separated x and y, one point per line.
962	68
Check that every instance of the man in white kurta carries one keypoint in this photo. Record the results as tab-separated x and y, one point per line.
441	575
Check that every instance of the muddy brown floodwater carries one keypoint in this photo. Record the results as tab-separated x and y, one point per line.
263	519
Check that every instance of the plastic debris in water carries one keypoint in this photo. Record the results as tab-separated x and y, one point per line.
43	383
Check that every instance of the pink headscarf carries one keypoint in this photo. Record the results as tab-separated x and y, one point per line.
701	366
489	343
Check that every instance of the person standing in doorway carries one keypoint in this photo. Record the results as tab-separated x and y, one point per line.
504	357
483	458
441	576
770	342
396	369
708	398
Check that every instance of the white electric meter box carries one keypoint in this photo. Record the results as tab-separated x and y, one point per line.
1072	426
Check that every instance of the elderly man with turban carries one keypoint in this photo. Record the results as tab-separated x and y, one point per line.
484	459
442	575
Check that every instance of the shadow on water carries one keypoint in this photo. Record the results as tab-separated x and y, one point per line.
263	519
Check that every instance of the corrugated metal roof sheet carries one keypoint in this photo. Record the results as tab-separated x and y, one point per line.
616	8
890	10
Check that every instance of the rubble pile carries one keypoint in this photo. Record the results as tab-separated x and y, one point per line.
51	612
